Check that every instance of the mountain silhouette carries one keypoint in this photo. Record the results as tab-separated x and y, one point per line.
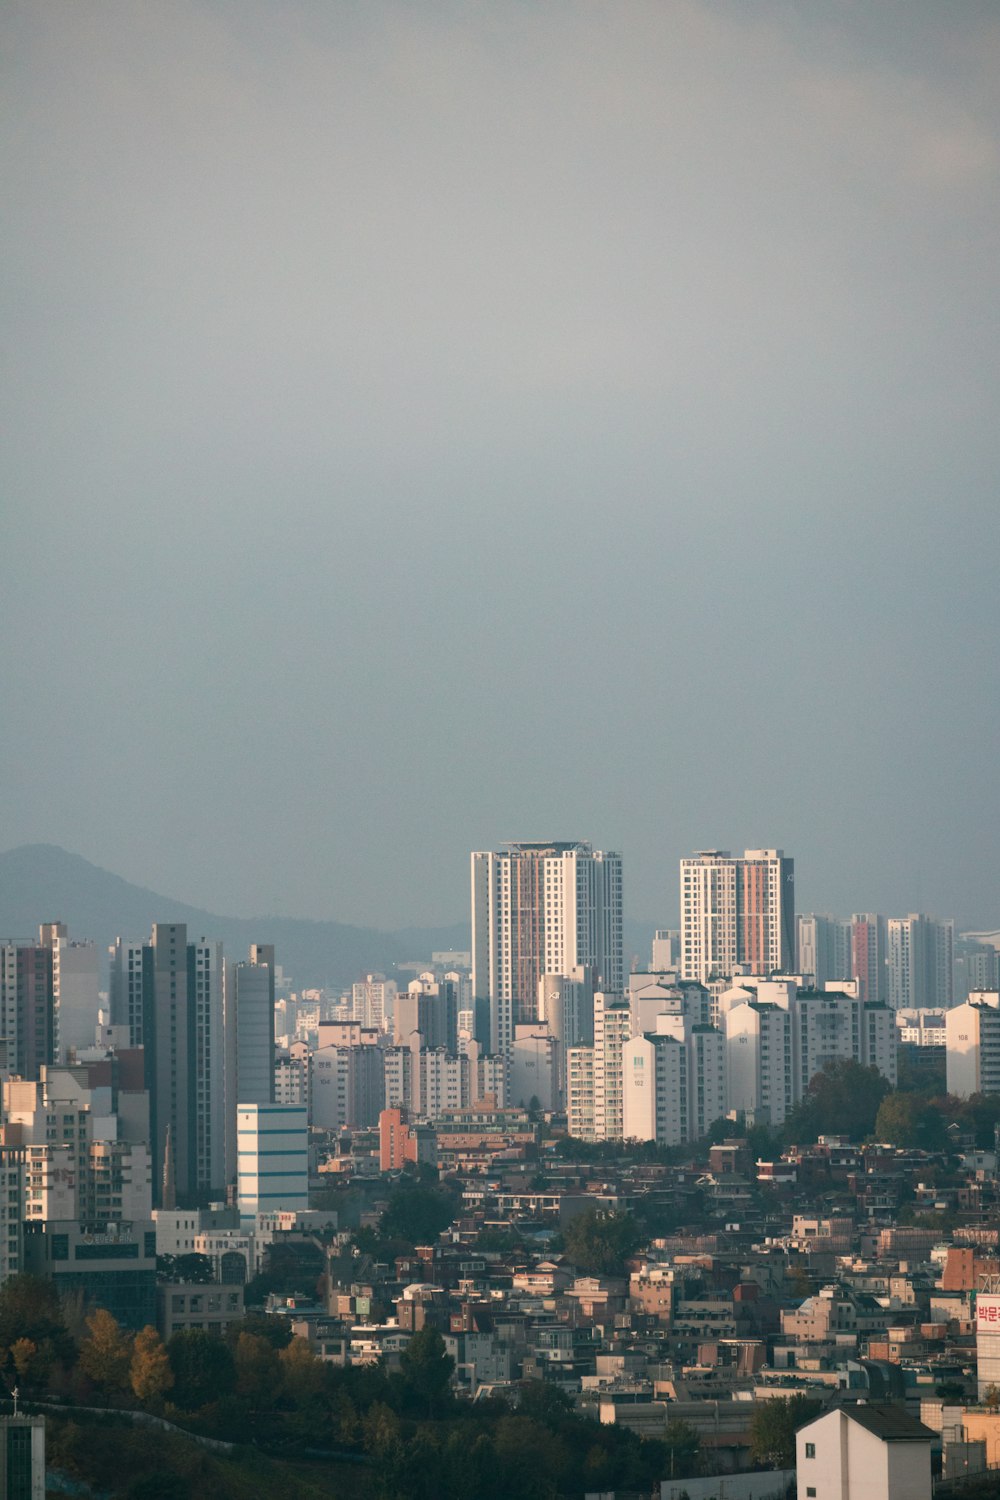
44	883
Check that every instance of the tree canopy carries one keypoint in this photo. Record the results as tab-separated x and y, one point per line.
907	1120
843	1098
416	1214
601	1244
202	1366
773	1427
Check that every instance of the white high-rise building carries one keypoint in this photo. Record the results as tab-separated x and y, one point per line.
580	1093
612	1029
972	1037
673	1081
761	1083
347	1087
824	949
373	1001
566	1007
737	913
533	1067
655	1098
75	990
541	908
272	1158
771	1063
921	962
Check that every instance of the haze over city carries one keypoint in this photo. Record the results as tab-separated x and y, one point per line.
430	426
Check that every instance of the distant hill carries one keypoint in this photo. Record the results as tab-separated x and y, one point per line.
43	883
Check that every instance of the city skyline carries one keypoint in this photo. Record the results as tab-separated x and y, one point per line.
670	919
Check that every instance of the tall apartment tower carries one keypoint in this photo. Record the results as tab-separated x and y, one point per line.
75	990
170	994
921	963
972	1037
824	948
737	913
27	1007
868	956
541	908
249	1039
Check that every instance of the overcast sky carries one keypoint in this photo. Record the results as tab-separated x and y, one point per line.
433	424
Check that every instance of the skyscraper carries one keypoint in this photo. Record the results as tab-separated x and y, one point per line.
868	956
75	989
921	962
249	1039
541	908
169	993
27	1007
737	913
824	948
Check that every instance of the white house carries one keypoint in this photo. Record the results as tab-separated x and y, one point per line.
864	1451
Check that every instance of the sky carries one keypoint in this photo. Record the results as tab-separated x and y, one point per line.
433	424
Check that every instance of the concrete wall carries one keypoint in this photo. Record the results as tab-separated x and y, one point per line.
768	1486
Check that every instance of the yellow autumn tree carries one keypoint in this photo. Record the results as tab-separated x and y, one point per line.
150	1374
106	1352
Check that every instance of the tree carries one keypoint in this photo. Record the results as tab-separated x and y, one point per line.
202	1367
24	1356
601	1245
773	1427
417	1215
907	1120
30	1308
303	1375
544	1402
106	1353
276	1331
683	1446
257	1370
843	1098
150	1374
427	1367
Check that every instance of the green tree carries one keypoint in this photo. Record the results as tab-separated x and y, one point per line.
202	1367
843	1098
601	1244
417	1215
909	1121
150	1374
276	1331
683	1448
533	1460
106	1352
981	1114
30	1308
544	1402
773	1427
258	1372
427	1368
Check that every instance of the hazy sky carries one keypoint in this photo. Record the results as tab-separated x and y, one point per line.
432	424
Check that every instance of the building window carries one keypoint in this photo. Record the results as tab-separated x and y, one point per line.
810	1447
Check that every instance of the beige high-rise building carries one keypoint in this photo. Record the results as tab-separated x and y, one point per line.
737	913
539	908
